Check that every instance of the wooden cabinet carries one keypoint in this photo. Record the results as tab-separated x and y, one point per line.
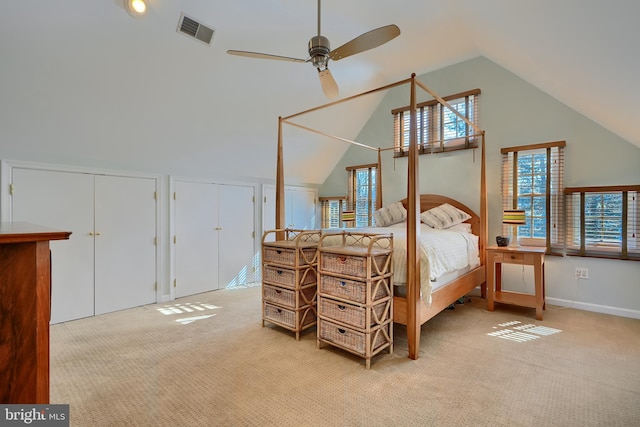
289	275
25	309
355	293
498	255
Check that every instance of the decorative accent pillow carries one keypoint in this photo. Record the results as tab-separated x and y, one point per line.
443	216
389	215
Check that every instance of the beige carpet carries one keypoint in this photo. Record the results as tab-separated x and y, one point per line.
206	360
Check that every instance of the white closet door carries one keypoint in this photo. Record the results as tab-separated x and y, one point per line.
268	211
196	247
61	200
302	207
125	251
236	241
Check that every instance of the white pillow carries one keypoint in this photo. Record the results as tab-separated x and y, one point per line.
443	216
389	215
465	227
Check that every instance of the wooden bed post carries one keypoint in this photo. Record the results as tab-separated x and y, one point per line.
379	181
413	233
280	218
484	214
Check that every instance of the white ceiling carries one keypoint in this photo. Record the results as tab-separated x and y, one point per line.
107	89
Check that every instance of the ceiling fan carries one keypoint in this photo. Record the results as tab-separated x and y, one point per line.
320	52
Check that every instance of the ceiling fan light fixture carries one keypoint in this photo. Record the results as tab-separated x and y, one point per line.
319	51
136	7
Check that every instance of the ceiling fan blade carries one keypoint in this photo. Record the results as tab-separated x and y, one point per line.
366	41
264	56
328	83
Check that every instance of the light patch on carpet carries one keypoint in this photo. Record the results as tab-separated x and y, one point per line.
182	308
522	332
187	320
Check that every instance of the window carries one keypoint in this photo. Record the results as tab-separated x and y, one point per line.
603	221
362	193
532	180
439	128
331	211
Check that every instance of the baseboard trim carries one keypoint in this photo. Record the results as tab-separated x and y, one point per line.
616	311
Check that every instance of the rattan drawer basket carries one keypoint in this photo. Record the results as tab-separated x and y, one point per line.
354	315
360	343
296	320
287	298
289	256
290	278
354	265
354	290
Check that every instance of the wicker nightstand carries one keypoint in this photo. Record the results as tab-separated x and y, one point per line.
289	279
355	293
496	256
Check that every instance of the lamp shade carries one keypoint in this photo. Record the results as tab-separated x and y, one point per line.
348	215
514	217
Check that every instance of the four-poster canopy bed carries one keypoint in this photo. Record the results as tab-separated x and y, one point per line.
412	309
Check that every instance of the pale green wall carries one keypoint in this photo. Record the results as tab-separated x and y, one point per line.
594	156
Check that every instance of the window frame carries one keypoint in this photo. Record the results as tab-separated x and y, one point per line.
372	198
553	193
431	125
577	243
328	215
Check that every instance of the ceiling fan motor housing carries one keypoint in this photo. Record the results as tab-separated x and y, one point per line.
319	51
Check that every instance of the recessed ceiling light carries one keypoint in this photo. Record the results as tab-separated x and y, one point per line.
136	7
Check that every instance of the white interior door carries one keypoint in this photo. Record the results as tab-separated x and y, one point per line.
62	200
268	211
125	250
196	244
236	243
301	204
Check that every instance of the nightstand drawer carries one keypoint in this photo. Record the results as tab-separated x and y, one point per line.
513	258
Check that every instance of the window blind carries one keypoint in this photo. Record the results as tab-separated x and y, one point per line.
331	209
532	180
603	221
438	128
362	193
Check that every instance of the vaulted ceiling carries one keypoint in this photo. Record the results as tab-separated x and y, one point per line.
83	82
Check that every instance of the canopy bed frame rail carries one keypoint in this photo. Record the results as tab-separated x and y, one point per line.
414	315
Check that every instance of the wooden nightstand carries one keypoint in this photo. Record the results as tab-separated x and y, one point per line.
496	256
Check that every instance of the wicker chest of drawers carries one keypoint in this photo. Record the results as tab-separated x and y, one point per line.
355	293
289	278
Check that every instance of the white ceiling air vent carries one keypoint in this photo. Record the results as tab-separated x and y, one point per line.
192	28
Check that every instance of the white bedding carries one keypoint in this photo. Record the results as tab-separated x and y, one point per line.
441	252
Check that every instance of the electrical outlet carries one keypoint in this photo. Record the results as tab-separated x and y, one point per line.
582	273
